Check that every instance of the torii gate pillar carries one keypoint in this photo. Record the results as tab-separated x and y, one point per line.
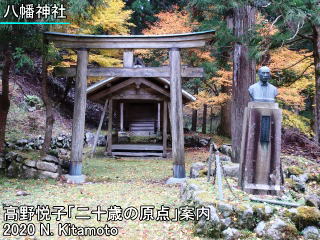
176	114
78	122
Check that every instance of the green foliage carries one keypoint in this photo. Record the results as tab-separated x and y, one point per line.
33	101
23	62
290	119
296	19
144	11
214	15
53	56
77	8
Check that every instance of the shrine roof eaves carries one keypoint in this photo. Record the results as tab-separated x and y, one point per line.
101	84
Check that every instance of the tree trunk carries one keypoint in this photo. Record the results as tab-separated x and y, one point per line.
204	119
224	128
194	120
48	104
316	55
194	113
4	97
225	122
243	74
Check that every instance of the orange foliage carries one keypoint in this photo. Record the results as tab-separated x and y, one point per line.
174	22
291	97
224	79
212	101
283	58
171	22
267	29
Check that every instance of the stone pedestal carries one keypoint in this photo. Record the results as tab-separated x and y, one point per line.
260	149
75	179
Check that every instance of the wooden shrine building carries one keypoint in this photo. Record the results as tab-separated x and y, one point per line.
161	84
137	107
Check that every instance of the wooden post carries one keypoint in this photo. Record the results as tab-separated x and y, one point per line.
121	116
219	177
204	119
79	111
109	139
169	110
158	120
164	128
96	138
176	114
128	58
210	162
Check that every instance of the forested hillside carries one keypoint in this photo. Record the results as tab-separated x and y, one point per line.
285	42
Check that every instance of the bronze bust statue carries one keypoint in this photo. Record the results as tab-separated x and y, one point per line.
263	91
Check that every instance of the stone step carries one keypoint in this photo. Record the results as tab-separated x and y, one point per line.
137	147
137	154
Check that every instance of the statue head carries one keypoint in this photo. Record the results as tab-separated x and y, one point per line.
264	74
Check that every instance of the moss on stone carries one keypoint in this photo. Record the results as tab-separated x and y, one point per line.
289	181
294	170
241	208
305	216
14	169
314	177
247	234
259	206
203	172
288	214
289	232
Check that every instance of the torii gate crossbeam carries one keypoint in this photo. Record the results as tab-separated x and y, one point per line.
173	42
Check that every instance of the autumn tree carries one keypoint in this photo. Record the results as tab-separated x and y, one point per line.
234	22
100	17
109	17
299	22
192	57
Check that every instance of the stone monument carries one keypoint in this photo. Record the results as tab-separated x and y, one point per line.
261	139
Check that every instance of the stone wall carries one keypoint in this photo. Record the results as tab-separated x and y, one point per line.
63	141
19	166
245	219
59	142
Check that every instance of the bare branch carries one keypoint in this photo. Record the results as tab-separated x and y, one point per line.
301	75
295	40
267	5
213	88
305	36
276	20
296	33
305	57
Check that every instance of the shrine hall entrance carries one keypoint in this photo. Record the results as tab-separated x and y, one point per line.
138	114
141	119
138	130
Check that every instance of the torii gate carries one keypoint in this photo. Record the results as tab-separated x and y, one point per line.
173	42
